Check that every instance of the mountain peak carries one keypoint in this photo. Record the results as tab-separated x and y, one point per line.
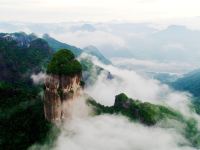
62	85
22	39
95	52
84	27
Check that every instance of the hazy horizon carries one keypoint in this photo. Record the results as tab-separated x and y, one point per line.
151	11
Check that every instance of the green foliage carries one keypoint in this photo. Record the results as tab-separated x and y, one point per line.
146	113
149	114
192	133
120	99
22	121
64	63
56	45
99	108
91	71
196	105
60	92
17	63
5	85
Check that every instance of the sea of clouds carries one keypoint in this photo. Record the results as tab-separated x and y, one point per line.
114	132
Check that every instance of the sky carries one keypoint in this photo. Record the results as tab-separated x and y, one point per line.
97	10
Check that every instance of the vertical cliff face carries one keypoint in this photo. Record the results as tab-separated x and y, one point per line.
52	100
62	86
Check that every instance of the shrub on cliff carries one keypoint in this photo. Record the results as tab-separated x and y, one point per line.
64	63
146	113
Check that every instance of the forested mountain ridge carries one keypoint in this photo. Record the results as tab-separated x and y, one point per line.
190	82
20	58
22	121
56	45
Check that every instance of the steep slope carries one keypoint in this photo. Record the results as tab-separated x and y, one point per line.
22	120
56	45
62	85
95	52
19	60
189	82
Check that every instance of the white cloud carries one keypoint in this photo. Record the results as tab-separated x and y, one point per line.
83	132
97	10
116	133
137	87
96	38
38	78
154	66
174	46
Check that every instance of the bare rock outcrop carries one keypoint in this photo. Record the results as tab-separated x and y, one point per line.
59	92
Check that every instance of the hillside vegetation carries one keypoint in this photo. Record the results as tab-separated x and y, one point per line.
149	114
64	62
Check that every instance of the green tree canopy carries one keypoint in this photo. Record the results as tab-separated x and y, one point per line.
64	63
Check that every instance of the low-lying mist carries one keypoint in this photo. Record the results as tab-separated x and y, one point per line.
137	87
170	67
115	132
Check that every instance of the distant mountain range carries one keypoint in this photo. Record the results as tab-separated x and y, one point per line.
85	27
190	82
24	40
95	52
30	46
115	39
56	45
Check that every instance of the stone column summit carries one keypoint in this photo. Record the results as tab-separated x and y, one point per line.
62	85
